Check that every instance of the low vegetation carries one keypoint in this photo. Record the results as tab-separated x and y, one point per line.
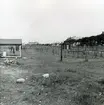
69	83
65	88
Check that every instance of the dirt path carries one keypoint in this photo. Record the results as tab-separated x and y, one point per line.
10	91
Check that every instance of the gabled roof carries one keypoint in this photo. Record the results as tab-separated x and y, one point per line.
10	41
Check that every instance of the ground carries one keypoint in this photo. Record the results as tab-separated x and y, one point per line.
71	82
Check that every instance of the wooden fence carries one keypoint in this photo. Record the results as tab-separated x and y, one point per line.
74	52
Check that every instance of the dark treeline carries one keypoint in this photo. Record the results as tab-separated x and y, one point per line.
88	41
92	41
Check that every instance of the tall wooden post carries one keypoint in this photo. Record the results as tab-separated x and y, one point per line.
61	54
20	47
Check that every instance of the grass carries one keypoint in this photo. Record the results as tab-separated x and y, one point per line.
88	93
69	83
101	81
63	88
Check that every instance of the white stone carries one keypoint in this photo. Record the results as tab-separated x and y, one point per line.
45	75
24	57
20	80
6	61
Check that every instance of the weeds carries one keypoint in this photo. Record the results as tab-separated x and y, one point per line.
86	91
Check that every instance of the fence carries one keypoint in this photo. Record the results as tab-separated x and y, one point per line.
75	52
82	52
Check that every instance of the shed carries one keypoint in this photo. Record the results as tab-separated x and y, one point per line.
10	47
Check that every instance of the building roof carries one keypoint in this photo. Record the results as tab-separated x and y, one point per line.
10	41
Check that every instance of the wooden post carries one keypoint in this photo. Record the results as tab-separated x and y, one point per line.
61	55
86	56
78	52
20	47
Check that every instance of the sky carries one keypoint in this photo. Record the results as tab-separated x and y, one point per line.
48	21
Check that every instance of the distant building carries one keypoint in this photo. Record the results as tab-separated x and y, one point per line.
55	44
10	47
32	43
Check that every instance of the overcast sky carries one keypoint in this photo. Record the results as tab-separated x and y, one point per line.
50	20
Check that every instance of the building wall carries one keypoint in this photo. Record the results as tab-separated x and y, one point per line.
10	50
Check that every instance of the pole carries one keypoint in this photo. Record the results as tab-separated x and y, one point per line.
61	55
20	47
86	57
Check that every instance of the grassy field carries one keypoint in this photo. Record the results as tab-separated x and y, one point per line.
71	82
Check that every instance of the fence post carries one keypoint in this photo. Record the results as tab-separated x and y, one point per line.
61	54
86	57
78	52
